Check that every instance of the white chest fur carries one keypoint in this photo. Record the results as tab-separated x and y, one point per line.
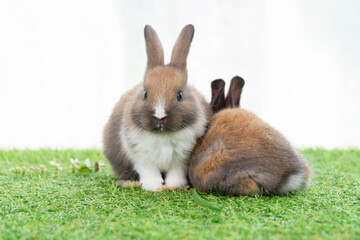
161	150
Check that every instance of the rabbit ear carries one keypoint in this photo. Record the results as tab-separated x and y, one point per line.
154	50
234	94
182	46
217	95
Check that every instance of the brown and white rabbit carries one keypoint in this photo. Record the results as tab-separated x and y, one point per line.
240	154
154	127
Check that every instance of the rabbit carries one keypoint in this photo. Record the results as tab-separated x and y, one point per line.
240	154
154	127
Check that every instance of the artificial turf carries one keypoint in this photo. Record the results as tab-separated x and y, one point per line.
70	205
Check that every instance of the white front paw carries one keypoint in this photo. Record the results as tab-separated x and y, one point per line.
151	184
175	180
150	177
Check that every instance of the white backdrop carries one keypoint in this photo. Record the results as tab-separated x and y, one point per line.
64	64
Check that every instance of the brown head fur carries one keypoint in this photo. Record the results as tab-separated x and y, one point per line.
165	86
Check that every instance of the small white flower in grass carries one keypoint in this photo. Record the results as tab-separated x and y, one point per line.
74	163
87	163
101	164
55	164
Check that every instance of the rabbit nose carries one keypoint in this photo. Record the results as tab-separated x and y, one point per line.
160	120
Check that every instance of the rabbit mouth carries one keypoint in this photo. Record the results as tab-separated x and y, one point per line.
160	129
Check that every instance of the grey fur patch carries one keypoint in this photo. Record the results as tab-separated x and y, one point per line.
113	149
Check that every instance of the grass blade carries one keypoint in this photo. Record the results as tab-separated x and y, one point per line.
202	202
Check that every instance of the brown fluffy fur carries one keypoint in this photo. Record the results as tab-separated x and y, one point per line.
240	154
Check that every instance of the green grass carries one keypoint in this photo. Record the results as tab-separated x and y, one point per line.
89	206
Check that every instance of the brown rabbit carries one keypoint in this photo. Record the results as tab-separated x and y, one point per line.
241	154
154	126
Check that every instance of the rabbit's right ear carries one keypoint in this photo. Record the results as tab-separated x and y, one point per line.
154	50
234	93
217	95
182	47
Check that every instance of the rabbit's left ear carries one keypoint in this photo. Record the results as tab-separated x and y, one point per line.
217	95
182	46
234	93
154	50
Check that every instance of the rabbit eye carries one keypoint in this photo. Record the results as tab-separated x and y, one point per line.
179	96
145	95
